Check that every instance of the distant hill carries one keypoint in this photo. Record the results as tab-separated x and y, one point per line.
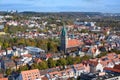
63	13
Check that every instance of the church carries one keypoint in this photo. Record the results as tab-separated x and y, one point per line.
68	44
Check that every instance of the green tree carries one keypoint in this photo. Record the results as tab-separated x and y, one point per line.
51	63
42	65
23	68
85	58
76	60
8	71
34	66
69	60
102	54
61	62
5	45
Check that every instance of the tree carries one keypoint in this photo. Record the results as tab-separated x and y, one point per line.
101	54
5	45
6	29
61	62
34	66
69	60
84	31
116	51
85	58
42	65
52	46
8	71
76	60
78	78
23	68
51	63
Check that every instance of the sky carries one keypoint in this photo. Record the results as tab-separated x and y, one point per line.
106	6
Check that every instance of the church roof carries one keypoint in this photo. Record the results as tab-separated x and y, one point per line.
73	43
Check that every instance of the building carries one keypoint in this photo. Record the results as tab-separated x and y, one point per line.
93	51
116	68
7	63
3	78
104	68
100	76
68	44
30	75
98	72
34	50
1	27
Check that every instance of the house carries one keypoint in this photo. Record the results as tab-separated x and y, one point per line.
13	76
20	52
80	53
116	68
37	60
2	53
1	75
95	66
56	56
12	23
45	73
110	60
98	71
93	51
62	75
26	60
30	75
100	76
1	27
3	78
9	50
80	68
7	64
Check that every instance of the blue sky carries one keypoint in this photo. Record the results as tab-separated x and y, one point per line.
112	6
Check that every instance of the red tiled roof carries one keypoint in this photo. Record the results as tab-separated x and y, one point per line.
1	75
9	48
38	60
2	51
44	78
33	74
93	50
49	55
117	67
29	71
3	78
111	69
73	43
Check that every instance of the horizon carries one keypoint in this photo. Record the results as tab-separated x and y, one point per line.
57	11
103	6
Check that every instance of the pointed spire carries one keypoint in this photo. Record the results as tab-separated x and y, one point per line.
64	31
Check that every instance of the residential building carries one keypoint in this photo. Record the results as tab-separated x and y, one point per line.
30	75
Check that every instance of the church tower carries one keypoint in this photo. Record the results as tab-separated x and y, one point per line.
64	39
